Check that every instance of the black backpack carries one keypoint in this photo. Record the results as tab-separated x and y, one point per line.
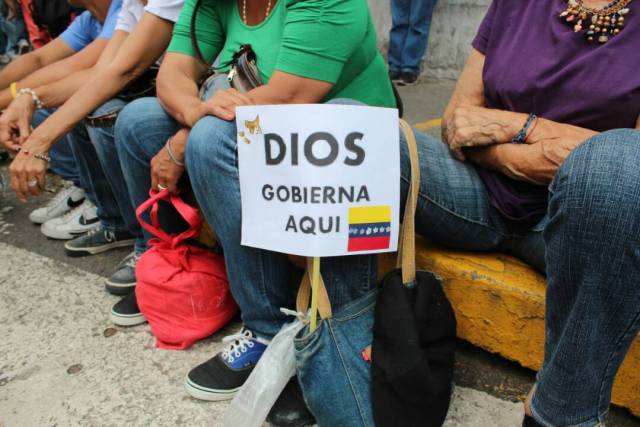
52	15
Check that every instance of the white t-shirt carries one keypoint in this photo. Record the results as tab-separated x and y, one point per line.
132	11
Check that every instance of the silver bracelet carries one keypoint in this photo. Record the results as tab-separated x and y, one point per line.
173	158
34	96
44	157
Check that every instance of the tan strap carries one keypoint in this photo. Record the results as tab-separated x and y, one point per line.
304	294
407	248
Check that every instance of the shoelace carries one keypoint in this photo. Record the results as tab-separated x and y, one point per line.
239	342
67	189
133	261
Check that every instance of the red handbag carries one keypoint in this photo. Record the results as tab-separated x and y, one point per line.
182	290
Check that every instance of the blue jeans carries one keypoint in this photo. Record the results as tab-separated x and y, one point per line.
588	250
409	36
93	178
588	246
261	281
115	210
62	161
142	129
12	31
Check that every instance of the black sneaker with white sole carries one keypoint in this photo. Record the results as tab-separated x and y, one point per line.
220	377
126	312
123	281
97	241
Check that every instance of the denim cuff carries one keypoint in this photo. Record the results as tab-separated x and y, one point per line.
542	420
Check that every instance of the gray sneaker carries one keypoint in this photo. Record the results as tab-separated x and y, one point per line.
123	281
97	241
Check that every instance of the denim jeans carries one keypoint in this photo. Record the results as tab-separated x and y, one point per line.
142	129
409	36
106	176
12	31
261	281
588	246
62	161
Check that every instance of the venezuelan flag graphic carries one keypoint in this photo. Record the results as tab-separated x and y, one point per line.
369	228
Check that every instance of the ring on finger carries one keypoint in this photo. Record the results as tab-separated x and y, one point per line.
32	183
161	187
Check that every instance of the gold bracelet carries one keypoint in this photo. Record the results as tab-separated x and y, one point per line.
13	88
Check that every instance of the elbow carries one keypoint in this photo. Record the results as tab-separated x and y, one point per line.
127	74
35	58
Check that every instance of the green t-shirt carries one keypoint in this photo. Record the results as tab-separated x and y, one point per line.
328	40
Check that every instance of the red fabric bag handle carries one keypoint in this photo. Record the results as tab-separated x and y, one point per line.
190	214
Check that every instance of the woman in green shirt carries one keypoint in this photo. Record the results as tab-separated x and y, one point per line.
308	51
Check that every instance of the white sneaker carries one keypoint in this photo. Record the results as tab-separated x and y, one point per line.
68	197
73	223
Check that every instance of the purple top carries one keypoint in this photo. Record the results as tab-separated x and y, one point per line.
535	63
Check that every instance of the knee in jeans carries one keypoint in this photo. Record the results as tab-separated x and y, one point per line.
212	139
132	121
600	177
134	116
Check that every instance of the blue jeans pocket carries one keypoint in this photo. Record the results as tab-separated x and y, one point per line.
335	378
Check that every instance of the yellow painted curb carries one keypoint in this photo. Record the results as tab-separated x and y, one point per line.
499	305
429	124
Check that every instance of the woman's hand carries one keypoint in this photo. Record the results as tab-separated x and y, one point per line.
15	123
471	126
165	172
28	171
223	103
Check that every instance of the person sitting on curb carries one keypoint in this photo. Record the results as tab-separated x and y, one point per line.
49	75
301	59
540	162
141	36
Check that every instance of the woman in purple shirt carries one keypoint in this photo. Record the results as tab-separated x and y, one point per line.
542	161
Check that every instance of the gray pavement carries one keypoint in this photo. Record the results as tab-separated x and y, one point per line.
63	364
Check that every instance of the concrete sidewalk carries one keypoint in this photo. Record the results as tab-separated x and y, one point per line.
63	364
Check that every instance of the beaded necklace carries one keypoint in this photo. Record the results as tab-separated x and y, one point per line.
244	11
600	24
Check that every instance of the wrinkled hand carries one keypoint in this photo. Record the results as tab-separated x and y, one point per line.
472	126
164	171
223	103
27	169
15	122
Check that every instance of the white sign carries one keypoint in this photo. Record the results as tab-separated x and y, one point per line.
319	180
